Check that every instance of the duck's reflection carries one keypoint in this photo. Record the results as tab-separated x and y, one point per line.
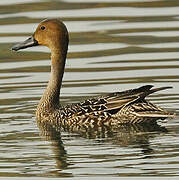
53	134
131	136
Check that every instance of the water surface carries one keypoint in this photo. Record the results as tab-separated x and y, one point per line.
114	45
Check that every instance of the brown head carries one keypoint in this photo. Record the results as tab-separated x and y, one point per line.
51	33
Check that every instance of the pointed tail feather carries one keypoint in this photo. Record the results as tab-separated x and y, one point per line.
158	89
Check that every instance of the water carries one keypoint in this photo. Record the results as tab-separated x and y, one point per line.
114	45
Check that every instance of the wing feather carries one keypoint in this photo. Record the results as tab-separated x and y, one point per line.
114	102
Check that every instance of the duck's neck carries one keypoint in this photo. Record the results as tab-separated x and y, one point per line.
50	100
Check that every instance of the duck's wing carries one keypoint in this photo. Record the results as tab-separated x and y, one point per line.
133	96
113	102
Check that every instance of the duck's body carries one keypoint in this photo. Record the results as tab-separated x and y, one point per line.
121	107
116	108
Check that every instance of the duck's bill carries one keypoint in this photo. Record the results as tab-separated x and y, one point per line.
27	43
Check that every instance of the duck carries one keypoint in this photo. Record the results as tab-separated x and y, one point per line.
124	107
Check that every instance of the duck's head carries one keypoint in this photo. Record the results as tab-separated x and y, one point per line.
51	33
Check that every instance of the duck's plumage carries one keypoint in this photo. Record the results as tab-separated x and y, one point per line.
115	108
120	107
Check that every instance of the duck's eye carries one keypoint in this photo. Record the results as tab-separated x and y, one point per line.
42	27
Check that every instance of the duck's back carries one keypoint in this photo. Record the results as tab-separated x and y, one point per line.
116	108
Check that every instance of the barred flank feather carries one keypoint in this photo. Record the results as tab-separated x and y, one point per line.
116	108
